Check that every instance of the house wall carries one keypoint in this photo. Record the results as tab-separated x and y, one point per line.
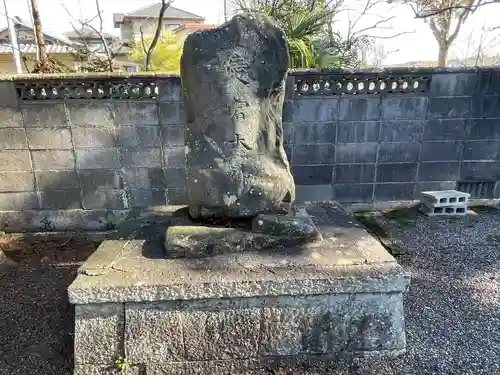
7	65
87	155
131	28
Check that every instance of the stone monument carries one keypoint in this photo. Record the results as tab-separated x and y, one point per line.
233	81
242	280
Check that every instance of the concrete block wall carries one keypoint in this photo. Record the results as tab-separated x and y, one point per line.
372	147
87	150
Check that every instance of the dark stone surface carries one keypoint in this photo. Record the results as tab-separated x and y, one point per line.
186	238
233	89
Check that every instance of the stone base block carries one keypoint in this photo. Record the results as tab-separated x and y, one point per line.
239	313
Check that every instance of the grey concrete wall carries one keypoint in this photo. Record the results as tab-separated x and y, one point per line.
114	144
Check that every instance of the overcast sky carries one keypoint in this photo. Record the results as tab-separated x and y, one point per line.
417	44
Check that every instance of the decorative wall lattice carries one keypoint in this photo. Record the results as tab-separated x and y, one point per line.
356	85
143	89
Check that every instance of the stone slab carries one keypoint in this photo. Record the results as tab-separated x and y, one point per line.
348	260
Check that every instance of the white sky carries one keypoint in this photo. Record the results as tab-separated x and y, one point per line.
417	45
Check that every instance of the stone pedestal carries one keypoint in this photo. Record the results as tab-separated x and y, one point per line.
238	313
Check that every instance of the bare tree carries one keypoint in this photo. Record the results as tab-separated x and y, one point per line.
41	50
479	51
367	23
159	27
87	23
376	55
445	19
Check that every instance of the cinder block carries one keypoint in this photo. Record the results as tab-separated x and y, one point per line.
313	154
445	130
394	192
90	113
459	84
288	130
404	107
13	139
96	158
480	171
352	108
354	173
313	193
146	157
10	117
16	161
144	178
312	174
449	108
484	129
288	110
396	172
401	131
438	171
289	153
18	201
353	193
358	131
139	136
175	177
481	151
173	136
169	89
174	157
486	107
313	132
169	114
444	198
135	113
105	199
315	110
16	182
51	199
93	179
49	138
489	82
57	180
147	197
89	137
8	93
60	159
443	211
44	115
356	152
398	152
441	151
108	320
176	196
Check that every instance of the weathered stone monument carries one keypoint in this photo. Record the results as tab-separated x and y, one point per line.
239	280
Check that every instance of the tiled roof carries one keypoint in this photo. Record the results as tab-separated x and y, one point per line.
152	11
31	48
88	33
60	38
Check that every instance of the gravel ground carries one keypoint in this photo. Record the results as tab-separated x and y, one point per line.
452	309
36	320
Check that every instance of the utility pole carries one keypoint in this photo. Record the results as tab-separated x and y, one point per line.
38	31
13	41
225	10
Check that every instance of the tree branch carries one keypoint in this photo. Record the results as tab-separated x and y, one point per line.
159	27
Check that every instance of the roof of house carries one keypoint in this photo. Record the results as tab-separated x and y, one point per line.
194	27
59	38
153	11
87	33
31	48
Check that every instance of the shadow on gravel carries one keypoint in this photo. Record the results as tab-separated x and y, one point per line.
36	319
